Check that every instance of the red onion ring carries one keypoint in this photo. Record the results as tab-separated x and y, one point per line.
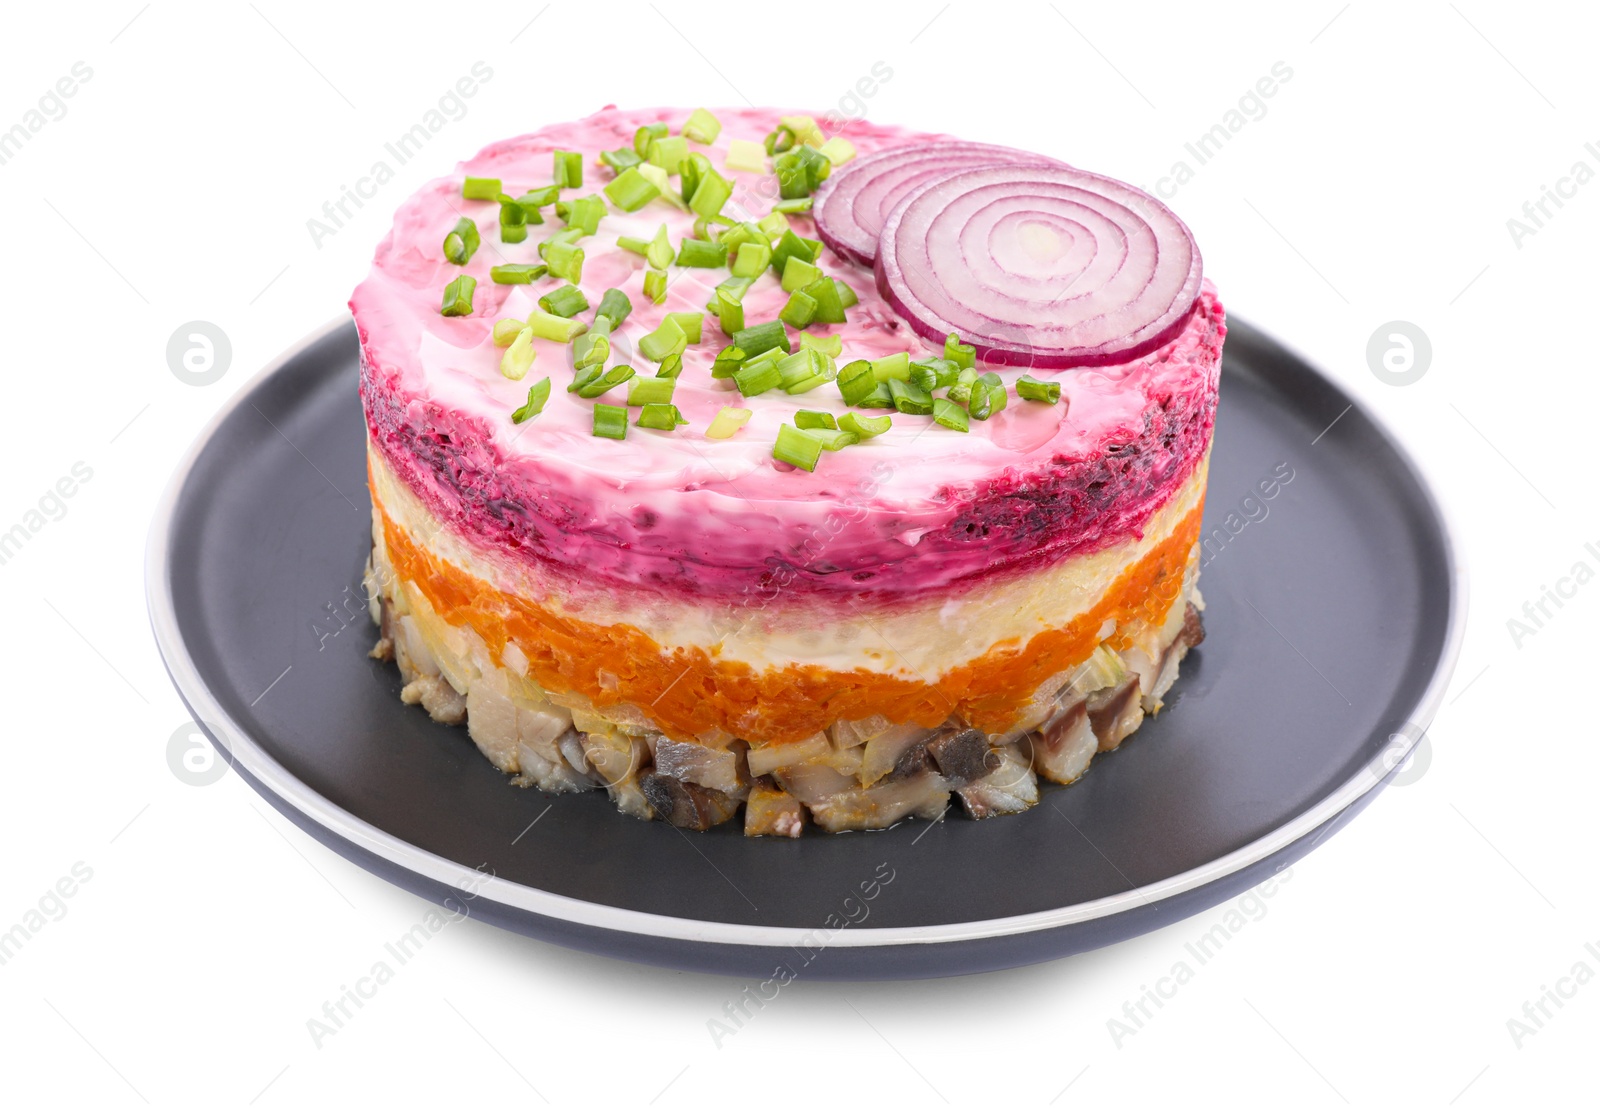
850	206
1039	265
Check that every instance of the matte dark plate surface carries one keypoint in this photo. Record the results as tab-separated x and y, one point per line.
1333	615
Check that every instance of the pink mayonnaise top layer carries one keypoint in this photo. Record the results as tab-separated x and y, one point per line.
918	508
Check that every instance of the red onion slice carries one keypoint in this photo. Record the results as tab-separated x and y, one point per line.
1039	265
850	206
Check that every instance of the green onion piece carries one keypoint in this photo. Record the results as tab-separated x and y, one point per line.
947	413
774	224
729	359
806	419
736	287
610	422
650	390
518	358
569	236
614	306
530	209
565	260
566	301
758	377
908	398
644	136
658	177
541	197
555	328
730	313
702	127
701	254
815	381
690	171
805	129
462	242
661	417
798	205
933	373
592	347
830	309
458	296
751	157
797	448
480	188
710	194
605	382
761	338
620	160
568	169
506	330
800	171
964	355
691	324
751	259
517	274
797	367
659	252
664	340
727	421
513	221
633	245
835	439
961	391
655	285
779	139
988	397
799	311
1048	392
740	233
798	273
879	397
584	213
585	376
668	153
630	190
856	381
831	345
864	426
847	295
893	367
538	393
837	150
670	366
791	245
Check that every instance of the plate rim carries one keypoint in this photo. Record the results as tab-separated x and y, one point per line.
242	750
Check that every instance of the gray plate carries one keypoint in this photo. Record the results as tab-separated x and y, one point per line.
1333	621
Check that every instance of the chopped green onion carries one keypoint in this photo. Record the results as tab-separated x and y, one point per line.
630	190
513	221
584	213
798	273
529	205
831	345
518	358
964	355
668	153
879	397
778	140
933	373
988	396
568	169
650	390
661	417
893	367
610	422
758	377
541	197
592	347
566	301
798	205
847	295
736	287
800	171
791	245
702	127
658	177
569	236
728	361
830	309
691	324
728	421
701	254
655	285
614	306
947	413
665	340
659	251
690	170
462	242
1047	391
761	338
633	245
961	391
710	194
751	259
595	382
480	188
908	398
740	233
837	150
458	296
774	224
856	381
804	128
506	330
620	160
517	274
864	426
538	393
670	366
555	328
644	136
797	448
565	260
835	439
729	312
751	157
799	311
806	419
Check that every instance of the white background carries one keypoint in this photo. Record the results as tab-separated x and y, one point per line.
1377	187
